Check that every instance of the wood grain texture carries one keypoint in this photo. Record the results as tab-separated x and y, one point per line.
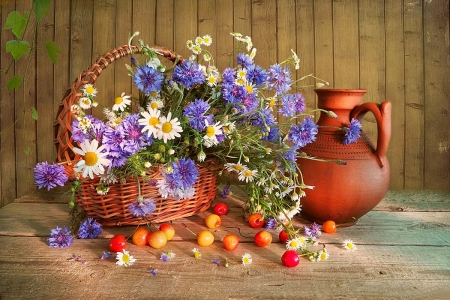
399	254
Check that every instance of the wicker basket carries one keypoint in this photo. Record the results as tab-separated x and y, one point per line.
112	209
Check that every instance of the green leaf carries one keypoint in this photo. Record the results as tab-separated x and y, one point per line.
17	48
41	8
34	114
52	50
16	23
27	150
14	83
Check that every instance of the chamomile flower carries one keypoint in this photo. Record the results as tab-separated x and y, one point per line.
85	102
94	161
168	128
349	245
155	103
84	124
211	79
149	120
197	49
247	259
189	44
253	53
124	258
322	254
76	110
207	40
197	253
212	132
121	102
247	175
238	167
89	90
295	243
199	40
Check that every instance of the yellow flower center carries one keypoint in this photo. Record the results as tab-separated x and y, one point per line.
86	101
126	258
293	244
153	94
240	81
154	105
119	100
248	173
153	121
323	256
245	260
272	102
167	127
90	158
90	89
211	79
350	245
117	121
210	131
238	167
249	89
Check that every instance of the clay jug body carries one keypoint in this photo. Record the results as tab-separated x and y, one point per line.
344	193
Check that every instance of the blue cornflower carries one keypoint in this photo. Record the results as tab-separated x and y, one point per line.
134	140
271	224
89	229
153	272
250	103
142	207
292	104
313	230
148	79
105	255
216	261
185	173
49	176
188	74
225	191
60	237
303	133
289	162
263	118
256	75
353	132
279	78
244	60
113	139
273	135
228	76
164	257
195	112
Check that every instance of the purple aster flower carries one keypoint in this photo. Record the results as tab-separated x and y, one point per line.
250	103
113	140
225	191
279	78
292	104
142	208
271	224
216	261
153	272
185	173
313	230
195	112
89	229
49	176
147	79
353	132
60	237
303	133
188	74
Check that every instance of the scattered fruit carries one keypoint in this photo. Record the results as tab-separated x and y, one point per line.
140	236
329	226
290	258
263	238
157	239
168	230
230	241
256	220
220	209
283	236
117	243
205	238
213	221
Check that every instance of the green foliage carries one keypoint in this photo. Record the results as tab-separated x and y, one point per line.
14	83
17	48
17	23
34	114
52	50
41	8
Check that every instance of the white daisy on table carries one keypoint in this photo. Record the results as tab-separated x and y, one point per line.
322	254
197	253
212	131
124	258
169	128
295	243
247	175
247	259
349	245
93	161
121	102
85	103
89	90
149	121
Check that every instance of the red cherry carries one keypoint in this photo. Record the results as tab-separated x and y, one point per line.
220	209
118	243
283	236
290	258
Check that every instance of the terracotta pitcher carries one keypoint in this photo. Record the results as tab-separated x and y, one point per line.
344	193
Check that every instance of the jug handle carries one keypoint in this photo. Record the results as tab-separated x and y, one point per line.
382	113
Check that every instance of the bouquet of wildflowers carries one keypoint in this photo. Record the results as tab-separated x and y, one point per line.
190	113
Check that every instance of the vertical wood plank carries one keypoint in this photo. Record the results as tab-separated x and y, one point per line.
437	95
346	44
186	16
242	23
323	36
372	57
395	90
414	94
164	23
25	128
207	16
7	116
223	40
123	29
45	90
264	31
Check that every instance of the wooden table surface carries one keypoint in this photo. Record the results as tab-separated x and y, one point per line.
403	251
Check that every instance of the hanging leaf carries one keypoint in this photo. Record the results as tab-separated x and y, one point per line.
16	23
52	50
34	114
41	8
17	48
14	83
27	150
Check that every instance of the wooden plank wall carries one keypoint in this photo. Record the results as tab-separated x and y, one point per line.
397	49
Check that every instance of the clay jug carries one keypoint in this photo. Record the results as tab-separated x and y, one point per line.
344	193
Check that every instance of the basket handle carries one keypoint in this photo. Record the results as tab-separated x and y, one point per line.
63	123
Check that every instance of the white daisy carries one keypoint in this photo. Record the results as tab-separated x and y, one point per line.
207	40
323	254
270	188
295	243
247	175
197	49
155	103
211	80
93	161
121	102
197	253
89	90
253	53
149	121
84	124
76	110
349	245
85	102
189	44
169	128
231	167
212	131
199	40
247	259
124	258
